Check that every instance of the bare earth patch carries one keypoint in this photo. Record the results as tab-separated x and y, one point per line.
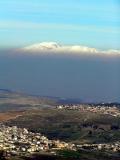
10	115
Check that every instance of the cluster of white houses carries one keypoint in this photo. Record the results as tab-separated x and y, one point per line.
14	140
113	111
110	147
18	141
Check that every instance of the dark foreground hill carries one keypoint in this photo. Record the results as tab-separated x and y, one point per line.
66	155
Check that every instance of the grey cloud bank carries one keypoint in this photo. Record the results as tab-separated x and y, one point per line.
91	78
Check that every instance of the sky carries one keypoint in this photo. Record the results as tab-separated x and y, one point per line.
83	58
91	23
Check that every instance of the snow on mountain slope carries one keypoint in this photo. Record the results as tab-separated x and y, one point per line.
46	47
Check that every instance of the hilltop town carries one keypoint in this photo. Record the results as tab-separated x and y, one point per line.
16	141
102	109
19	141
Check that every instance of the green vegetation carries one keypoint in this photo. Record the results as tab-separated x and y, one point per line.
71	155
67	125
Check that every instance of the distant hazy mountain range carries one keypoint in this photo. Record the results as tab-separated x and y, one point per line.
13	97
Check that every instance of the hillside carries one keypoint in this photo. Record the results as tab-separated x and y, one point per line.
67	125
16	100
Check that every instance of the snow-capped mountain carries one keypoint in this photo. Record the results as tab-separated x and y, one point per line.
53	46
46	47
